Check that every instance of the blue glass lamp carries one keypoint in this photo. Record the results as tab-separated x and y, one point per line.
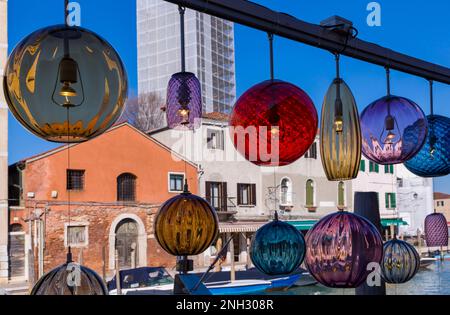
278	248
401	261
433	160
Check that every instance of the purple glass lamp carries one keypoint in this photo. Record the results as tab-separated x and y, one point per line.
184	101
184	96
339	248
394	129
436	230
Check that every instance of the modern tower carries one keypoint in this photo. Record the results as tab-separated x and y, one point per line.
209	52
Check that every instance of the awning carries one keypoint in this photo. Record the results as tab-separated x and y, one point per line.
240	227
303	225
389	222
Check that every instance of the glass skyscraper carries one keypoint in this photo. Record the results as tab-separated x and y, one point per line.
209	52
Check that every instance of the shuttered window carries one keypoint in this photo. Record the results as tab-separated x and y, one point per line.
217	195
246	195
389	169
362	166
310	193
373	167
215	139
391	200
312	152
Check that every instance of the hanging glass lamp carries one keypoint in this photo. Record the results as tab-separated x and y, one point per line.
277	248
70	279
184	101
436	230
433	160
340	247
184	96
186	225
401	261
340	133
274	123
394	129
65	84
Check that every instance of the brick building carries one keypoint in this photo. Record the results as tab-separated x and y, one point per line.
115	183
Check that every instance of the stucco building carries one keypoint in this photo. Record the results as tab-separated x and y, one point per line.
115	182
3	147
442	204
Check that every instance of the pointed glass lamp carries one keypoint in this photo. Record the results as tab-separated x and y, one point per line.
70	279
340	133
184	101
278	248
65	84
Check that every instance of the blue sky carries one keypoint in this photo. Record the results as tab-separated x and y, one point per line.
415	27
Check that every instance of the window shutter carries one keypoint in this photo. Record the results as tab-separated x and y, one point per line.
392	169
208	191
224	197
387	200
371	166
394	200
363	166
377	168
386	169
253	194
239	194
222	140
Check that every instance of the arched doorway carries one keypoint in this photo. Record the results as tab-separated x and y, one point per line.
127	243
127	234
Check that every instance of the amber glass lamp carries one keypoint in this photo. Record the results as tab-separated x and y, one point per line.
65	84
186	225
340	133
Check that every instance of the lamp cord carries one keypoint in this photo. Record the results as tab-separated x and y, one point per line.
431	98
68	179
182	11
272	72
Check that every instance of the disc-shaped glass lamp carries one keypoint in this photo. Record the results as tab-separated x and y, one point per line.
394	129
277	248
433	160
273	124
184	101
401	261
340	133
340	247
186	225
65	84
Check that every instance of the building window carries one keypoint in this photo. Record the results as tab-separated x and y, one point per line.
75	179
76	236
341	194
374	167
176	182
246	194
310	193
216	195
126	187
362	166
391	201
389	169
312	152
215	139
286	192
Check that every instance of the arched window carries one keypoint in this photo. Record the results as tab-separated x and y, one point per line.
126	187
286	192
341	195
310	193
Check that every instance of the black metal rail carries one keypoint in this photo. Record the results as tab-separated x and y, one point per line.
259	17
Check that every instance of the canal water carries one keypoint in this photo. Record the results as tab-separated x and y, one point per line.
435	280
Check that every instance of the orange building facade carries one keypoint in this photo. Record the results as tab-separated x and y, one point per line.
115	184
